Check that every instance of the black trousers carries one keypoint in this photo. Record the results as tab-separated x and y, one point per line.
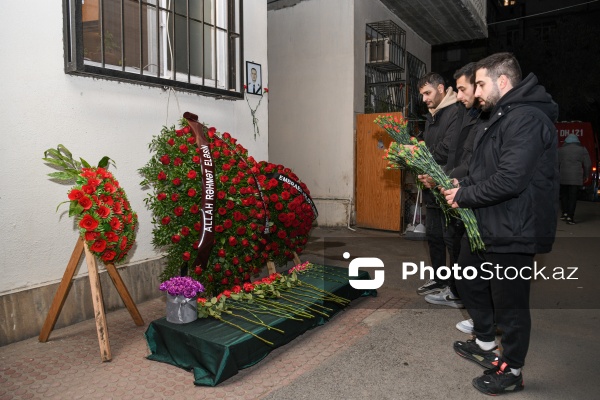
568	199
454	231
434	222
499	299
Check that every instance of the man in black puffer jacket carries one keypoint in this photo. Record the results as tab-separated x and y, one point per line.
512	187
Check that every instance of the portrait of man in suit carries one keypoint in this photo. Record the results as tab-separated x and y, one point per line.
254	78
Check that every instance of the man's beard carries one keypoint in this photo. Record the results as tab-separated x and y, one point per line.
492	100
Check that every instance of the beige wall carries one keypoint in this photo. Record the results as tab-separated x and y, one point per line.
316	60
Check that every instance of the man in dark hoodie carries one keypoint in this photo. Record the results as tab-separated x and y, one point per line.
438	135
512	187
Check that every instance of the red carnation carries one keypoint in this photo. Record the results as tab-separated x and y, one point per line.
161	196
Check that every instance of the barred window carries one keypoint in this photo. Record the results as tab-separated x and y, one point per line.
194	45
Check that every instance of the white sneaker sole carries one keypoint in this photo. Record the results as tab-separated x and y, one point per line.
446	303
464	329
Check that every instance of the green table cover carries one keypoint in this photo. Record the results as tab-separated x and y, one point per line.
216	351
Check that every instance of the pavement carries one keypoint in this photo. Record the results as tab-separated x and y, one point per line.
393	346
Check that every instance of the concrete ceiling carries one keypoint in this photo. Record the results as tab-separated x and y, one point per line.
436	21
442	21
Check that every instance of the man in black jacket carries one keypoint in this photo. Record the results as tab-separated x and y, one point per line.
438	136
457	166
513	188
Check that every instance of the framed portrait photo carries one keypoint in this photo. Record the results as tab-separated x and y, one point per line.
253	78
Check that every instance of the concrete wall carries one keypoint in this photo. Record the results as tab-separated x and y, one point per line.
311	53
41	107
316	57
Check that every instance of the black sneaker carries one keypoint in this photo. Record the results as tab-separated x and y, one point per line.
472	352
499	380
563	217
430	286
570	221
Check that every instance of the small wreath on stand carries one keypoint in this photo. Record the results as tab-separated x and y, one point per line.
100	206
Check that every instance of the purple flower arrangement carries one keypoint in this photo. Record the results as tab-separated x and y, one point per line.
182	286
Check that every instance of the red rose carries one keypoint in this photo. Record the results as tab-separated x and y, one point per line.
186	256
75	194
183	148
217	267
198	226
192	192
91	236
198	271
232	241
174	197
161	196
115	223
224	178
98	246
165	160
88	189
196	159
274	197
117	208
88	223
191	140
248	287
106	199
178	211
281	234
216	154
278	206
238	216
245	242
111	237
221	195
227	224
176	181
194	209
165	221
228	272
177	161
236	289
109	255
191	174
232	190
108	187
187	129
221	253
219	228
227	293
123	243
222	211
175	238
224	281
85	202
241	230
230	204
171	142
185	231
162	176
235	261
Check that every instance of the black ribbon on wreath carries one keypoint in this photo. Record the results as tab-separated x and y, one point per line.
295	185
206	241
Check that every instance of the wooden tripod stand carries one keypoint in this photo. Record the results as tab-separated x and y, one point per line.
99	315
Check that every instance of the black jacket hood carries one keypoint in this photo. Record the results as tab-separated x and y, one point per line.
528	91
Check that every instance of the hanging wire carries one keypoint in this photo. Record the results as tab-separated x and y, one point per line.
168	100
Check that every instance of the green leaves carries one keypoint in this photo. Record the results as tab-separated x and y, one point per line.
61	158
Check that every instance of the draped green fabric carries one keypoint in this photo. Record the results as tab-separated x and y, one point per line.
216	351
